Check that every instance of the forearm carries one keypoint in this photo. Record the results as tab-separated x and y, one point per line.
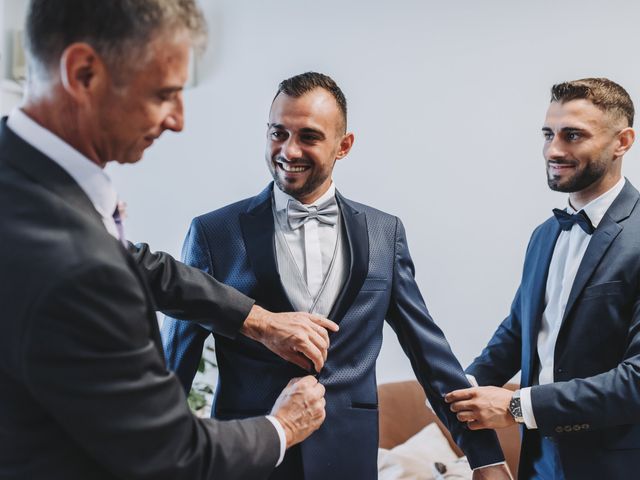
187	293
606	400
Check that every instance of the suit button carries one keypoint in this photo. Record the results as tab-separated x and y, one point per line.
559	429
567	428
559	370
585	426
577	428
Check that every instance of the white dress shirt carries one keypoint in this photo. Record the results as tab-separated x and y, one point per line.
567	256
312	245
93	181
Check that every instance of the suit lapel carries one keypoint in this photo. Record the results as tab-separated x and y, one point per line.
608	229
355	224
258	232
536	285
41	169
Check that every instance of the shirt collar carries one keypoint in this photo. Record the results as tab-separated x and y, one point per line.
281	199
596	208
95	183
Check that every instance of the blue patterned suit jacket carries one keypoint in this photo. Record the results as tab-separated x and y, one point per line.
236	245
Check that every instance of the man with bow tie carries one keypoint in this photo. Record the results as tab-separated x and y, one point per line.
301	245
574	325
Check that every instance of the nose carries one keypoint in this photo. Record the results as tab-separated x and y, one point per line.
291	149
174	120
553	149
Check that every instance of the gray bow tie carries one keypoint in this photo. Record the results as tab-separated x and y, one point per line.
299	214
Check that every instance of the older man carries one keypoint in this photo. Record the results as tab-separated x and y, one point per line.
84	392
574	325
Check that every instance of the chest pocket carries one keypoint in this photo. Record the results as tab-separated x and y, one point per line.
602	289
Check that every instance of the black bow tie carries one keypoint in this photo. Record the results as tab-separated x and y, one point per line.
567	220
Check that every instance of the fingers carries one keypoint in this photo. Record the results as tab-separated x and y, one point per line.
312	354
463	405
324	323
466	416
457	395
300	360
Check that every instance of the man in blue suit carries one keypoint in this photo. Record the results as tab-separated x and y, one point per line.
302	246
574	325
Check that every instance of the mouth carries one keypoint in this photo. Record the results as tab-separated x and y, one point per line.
291	168
559	167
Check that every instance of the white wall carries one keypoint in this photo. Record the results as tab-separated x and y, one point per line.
446	100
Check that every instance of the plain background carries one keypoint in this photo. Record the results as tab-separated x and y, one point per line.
446	100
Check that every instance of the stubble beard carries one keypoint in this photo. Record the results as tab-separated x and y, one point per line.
593	172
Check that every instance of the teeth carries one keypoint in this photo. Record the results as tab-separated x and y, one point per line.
292	168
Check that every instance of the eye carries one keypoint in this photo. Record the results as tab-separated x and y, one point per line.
573	136
548	136
167	96
309	138
277	135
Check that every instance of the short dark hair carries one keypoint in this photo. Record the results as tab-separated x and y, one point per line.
602	92
116	29
305	82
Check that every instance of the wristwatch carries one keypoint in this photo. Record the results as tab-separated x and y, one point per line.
515	409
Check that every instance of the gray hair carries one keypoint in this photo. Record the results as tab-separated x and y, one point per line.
116	29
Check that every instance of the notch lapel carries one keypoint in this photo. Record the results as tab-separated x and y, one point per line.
258	232
355	223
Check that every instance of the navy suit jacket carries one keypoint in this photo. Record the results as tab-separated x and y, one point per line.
236	245
593	407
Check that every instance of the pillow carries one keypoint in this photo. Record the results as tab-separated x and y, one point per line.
416	458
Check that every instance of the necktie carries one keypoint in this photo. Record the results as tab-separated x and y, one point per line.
117	217
299	214
567	220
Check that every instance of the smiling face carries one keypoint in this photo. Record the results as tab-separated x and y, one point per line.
583	148
304	139
130	118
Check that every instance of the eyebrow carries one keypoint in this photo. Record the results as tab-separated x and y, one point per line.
307	130
171	89
564	130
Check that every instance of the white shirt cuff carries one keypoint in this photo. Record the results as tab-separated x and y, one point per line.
490	465
527	408
281	435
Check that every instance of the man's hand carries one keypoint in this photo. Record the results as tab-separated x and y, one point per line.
298	337
496	472
300	408
482	407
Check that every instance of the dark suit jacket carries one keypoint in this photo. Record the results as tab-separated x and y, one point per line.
236	245
593	408
84	391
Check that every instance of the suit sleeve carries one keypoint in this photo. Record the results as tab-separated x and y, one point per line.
435	366
188	293
500	360
90	362
606	400
183	340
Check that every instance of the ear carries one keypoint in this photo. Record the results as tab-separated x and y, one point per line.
82	71
345	145
626	136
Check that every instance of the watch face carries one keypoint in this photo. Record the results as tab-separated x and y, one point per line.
515	409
